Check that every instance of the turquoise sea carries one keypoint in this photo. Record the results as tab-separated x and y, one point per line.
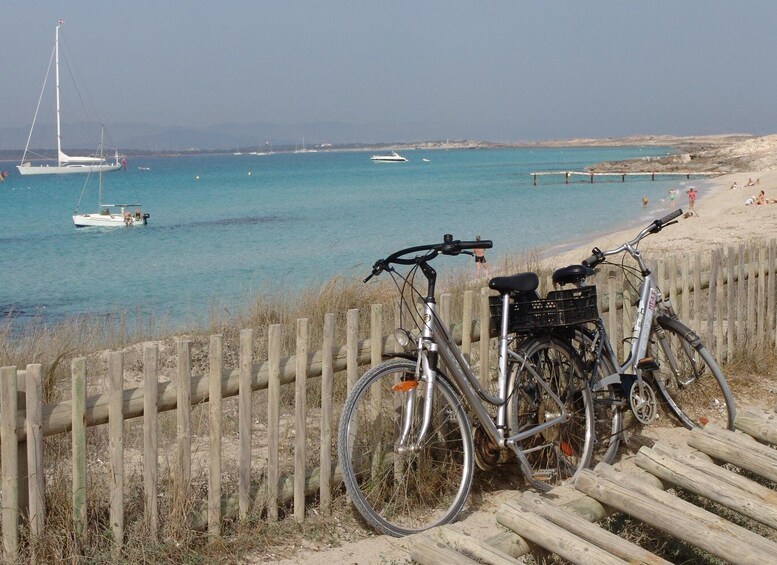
225	227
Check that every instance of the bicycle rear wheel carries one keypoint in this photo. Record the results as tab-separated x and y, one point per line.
688	377
608	402
558	452
403	489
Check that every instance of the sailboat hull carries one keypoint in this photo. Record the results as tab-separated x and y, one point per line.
104	221
27	169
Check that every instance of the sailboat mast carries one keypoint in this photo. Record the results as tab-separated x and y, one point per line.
56	66
100	183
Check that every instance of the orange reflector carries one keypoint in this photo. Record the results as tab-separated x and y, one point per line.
404	386
567	449
703	421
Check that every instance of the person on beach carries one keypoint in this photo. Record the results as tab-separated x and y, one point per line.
480	259
672	193
691	200
761	199
644	201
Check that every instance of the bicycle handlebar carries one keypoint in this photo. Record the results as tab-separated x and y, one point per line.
597	255
449	246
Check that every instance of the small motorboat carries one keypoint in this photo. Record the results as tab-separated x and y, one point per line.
394	157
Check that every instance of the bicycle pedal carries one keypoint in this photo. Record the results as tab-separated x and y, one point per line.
647	364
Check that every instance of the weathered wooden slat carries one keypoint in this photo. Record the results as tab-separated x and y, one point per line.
215	366
426	550
741	298
245	420
751	296
150	447
760	425
612	315
352	348
485	313
731	302
554	538
327	382
592	533
184	418
685	307
78	436
676	517
697	297
709	486
466	325
10	470
273	419
473	547
116	446
300	419
36	484
761	302
739	449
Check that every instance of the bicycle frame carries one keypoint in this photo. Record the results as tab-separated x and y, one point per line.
436	342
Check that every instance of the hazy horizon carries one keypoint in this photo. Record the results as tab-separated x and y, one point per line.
369	71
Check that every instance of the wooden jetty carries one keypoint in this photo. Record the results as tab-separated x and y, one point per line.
623	174
538	524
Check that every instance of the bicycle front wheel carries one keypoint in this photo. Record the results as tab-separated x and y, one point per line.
398	483
555	453
688	377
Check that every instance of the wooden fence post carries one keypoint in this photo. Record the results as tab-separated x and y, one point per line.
751	287
731	302
10	470
78	436
300	413
245	420
698	303
116	446
485	336
711	298
184	418
762	259
273	418
626	317
36	484
720	306
685	292
466	325
352	348
215	366
612	314
150	448
741	299
770	294
327	382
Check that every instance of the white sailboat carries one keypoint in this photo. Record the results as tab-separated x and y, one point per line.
109	215
65	163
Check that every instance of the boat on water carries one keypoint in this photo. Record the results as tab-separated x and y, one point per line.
394	157
109	215
65	163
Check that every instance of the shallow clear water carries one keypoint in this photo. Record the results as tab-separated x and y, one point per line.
218	233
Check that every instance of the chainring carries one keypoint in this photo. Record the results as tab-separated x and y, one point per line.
642	401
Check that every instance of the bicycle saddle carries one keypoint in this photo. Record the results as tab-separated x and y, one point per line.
573	274
522	282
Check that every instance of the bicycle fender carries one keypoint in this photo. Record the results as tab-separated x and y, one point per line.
409	356
669	322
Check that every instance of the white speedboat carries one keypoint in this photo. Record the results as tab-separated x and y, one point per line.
109	215
394	157
65	163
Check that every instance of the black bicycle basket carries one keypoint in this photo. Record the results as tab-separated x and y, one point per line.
559	308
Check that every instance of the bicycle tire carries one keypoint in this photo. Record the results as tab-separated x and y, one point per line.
559	452
404	492
689	379
608	402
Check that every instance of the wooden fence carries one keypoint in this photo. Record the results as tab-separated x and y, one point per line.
281	443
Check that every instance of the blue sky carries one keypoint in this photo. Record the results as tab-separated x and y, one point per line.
500	70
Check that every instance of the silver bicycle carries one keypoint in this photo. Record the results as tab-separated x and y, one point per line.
664	354
406	447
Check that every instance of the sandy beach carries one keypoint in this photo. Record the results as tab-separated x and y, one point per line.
722	219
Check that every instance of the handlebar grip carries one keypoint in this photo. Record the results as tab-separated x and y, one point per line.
671	216
482	244
596	257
